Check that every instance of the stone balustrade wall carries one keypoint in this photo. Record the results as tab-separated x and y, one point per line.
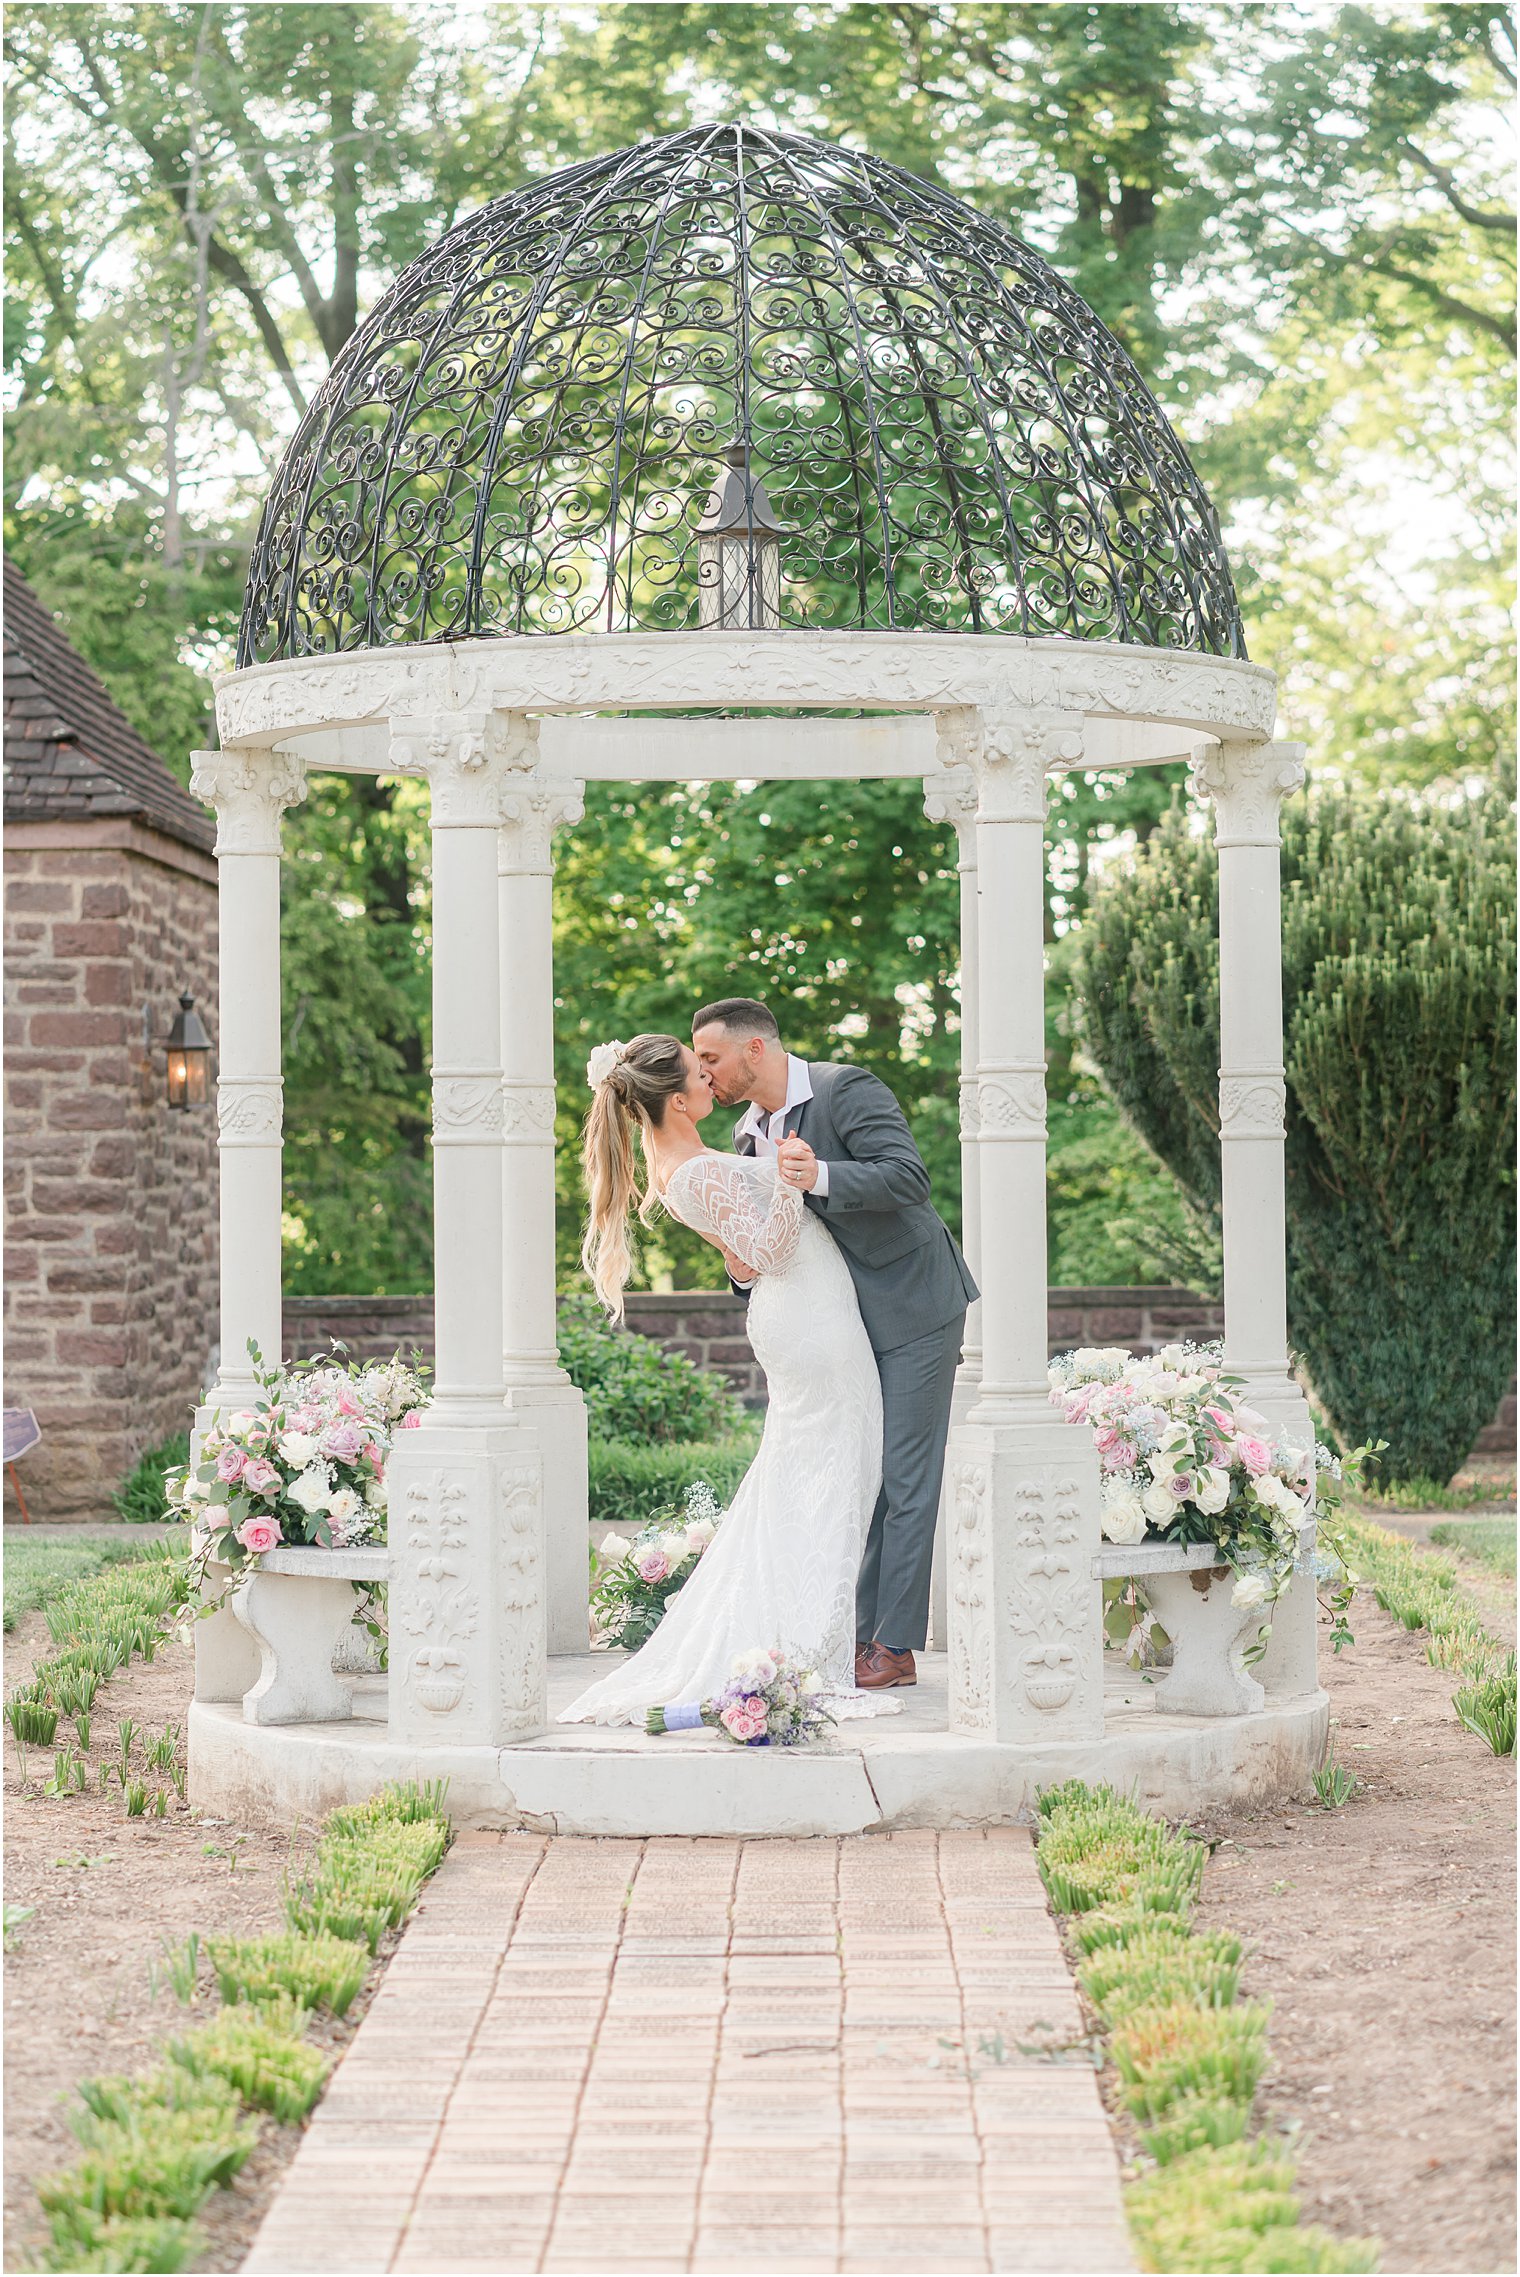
707	1325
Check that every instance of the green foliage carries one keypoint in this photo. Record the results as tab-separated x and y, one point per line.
1334	1785
153	2148
633	1389
140	1497
1216	2210
81	2240
629	1480
1398	933
1178	2049
1098	1849
1490	1540
369	1868
1488	1708
1162	1961
261	2052
38	1567
313	1971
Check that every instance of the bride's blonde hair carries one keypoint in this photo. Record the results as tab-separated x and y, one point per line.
629	1099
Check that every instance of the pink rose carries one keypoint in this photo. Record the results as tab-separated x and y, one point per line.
347	1404
259	1476
1180	1484
743	1720
342	1441
651	1565
1254	1453
410	1421
1120	1457
258	1535
229	1464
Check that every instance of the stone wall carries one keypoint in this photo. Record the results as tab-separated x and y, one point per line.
707	1325
111	1197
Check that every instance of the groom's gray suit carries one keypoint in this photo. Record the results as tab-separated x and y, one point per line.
914	1288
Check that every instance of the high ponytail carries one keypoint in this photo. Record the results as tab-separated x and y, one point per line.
628	1101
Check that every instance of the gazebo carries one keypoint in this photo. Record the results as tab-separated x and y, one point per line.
737	455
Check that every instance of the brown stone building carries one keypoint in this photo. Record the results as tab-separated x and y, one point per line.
110	915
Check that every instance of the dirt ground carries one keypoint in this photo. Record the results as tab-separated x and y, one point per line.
1384	1936
108	1891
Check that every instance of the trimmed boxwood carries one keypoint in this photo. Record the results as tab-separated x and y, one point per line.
629	1480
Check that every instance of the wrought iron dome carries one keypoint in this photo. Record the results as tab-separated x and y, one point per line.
523	435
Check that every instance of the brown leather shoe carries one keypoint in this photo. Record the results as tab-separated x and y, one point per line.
876	1668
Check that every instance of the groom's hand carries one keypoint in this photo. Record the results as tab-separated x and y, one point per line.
798	1163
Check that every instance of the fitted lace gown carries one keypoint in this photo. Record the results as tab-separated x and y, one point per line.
782	1568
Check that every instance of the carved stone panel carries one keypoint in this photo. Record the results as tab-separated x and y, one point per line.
1253	1105
970	1600
249	1112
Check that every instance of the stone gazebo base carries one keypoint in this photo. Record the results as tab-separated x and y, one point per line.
903	1770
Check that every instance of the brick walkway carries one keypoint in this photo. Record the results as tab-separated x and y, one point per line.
712	2055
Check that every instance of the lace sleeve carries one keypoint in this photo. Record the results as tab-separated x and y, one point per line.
716	1195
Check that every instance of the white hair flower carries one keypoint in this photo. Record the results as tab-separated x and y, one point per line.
603	1060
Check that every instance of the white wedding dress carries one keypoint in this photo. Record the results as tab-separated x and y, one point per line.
782	1568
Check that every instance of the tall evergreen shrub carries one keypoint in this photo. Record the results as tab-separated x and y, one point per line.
1399	1020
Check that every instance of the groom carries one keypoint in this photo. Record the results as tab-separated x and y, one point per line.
840	1135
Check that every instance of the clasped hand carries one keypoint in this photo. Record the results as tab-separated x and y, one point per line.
797	1164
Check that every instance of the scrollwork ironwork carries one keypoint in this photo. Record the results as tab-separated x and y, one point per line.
522	436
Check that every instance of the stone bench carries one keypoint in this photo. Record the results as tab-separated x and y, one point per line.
1190	1590
298	1605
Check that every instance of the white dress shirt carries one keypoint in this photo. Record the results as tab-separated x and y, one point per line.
767	1131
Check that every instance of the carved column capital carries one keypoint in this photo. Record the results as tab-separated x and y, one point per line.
951	795
1019	746
250	790
470	760
532	809
1247	783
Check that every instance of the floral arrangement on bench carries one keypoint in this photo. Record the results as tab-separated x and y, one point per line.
305	1465
639	1578
1186	1460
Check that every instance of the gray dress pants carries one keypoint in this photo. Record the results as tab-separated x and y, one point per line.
917	1381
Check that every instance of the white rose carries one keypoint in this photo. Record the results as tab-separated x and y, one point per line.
1172	1356
675	1546
699	1533
242	1421
1249	1591
312	1490
1175	1435
345	1506
1160	1503
1162	1466
613	1549
1212	1491
197	1489
296	1448
1123	1517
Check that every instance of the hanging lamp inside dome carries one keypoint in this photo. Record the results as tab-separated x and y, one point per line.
928	428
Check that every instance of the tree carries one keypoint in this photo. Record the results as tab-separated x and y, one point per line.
1399	1023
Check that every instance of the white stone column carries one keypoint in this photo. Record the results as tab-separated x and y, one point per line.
1026	1660
465	1491
951	796
536	1385
1247	784
250	790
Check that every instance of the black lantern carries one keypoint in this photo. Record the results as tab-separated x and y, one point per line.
189	1056
739	552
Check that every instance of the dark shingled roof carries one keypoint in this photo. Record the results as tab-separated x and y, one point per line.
69	752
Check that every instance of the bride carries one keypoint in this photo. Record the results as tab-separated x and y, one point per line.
782	1568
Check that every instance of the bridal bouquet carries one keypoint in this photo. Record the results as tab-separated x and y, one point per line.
770	1700
643	1575
305	1464
1186	1460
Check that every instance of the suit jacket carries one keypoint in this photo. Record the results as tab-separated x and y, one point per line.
909	1274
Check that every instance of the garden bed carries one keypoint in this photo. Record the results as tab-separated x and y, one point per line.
1383	1936
110	1893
